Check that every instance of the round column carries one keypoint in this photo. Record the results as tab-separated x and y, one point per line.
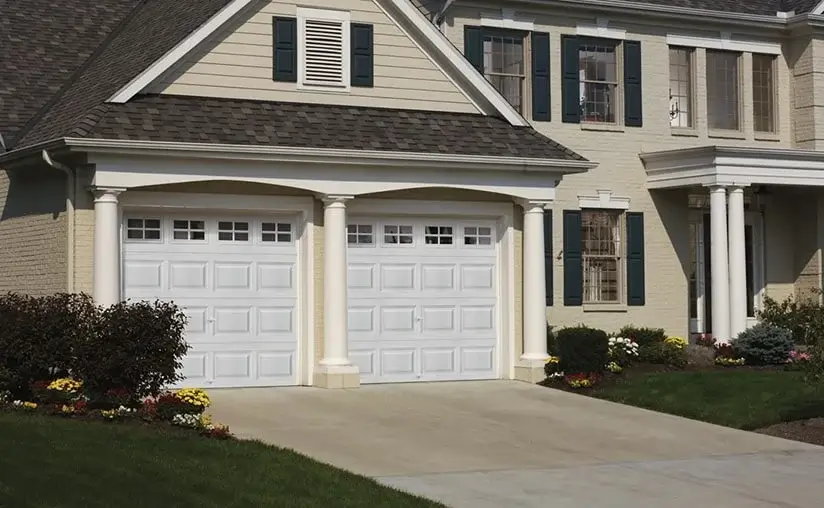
335	301
106	247
720	276
737	263
535	320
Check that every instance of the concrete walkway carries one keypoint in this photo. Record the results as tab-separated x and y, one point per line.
499	443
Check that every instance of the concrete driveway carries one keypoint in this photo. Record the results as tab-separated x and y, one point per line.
500	443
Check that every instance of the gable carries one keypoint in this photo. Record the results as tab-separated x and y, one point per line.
237	62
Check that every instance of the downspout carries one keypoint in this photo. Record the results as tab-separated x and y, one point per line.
439	17
70	200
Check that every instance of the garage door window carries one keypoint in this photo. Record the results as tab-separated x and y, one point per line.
143	229
438	235
233	231
398	235
359	234
277	232
189	230
477	236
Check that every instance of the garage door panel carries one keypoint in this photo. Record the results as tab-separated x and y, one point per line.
397	276
275	320
144	274
364	359
397	319
438	277
398	362
439	361
478	360
276	275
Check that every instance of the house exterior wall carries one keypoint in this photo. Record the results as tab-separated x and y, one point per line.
33	230
621	171
238	64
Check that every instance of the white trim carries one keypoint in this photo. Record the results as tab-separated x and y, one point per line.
818	9
725	41
508	20
302	206
178	52
305	14
604	200
601	30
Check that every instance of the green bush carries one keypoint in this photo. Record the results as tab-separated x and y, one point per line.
764	344
582	350
643	336
662	353
136	346
804	318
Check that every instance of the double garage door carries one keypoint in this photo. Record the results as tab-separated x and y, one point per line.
422	295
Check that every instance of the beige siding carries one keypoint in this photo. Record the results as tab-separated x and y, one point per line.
238	64
33	229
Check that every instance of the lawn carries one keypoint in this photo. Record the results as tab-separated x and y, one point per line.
744	399
51	462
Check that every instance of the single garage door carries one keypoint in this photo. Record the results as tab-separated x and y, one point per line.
235	277
422	299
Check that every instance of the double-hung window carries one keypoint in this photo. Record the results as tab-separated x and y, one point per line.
601	256
504	65
680	88
723	90
598	73
763	92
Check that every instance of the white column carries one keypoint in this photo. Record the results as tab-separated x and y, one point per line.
534	300
106	247
720	276
737	263
335	302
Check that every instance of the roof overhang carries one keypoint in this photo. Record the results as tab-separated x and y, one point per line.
323	156
726	165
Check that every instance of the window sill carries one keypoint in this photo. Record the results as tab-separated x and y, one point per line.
597	126
767	136
684	131
605	307
727	134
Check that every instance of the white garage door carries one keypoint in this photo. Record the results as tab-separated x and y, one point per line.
422	299
236	279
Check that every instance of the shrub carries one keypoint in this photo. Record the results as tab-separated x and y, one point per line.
552	367
582	350
663	353
622	351
167	405
643	336
804	318
764	344
137	347
705	340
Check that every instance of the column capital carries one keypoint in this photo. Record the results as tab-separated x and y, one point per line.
106	194
333	199
531	204
715	186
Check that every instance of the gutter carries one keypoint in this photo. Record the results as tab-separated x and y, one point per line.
71	188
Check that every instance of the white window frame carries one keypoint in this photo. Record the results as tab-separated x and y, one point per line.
374	234
619	255
206	230
249	231
398	224
456	235
477	235
143	229
343	17
618	107
739	88
277	222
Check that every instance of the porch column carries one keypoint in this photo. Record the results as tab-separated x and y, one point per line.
106	247
720	276
737	263
534	302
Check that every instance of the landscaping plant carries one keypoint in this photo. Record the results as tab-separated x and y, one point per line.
582	350
643	336
803	317
552	367
622	351
705	340
764	344
663	353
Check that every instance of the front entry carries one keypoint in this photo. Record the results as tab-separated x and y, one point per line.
700	274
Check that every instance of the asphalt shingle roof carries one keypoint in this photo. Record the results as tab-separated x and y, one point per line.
764	7
245	122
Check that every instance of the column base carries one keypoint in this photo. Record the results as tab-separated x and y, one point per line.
530	371
336	377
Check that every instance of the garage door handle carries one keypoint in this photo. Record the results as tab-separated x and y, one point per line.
211	320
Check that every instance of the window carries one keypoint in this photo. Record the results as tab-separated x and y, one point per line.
323	51
477	236
598	71
233	231
763	92
398	235
438	235
143	229
722	90
189	230
359	234
680	89
600	248
504	65
278	232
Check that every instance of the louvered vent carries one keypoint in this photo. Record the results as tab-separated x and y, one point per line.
323	57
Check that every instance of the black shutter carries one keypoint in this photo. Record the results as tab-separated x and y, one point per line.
362	55
570	84
285	51
474	46
548	265
633	114
540	76
635	259
573	261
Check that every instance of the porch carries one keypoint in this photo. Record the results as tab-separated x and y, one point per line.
756	228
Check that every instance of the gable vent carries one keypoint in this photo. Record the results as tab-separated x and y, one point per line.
324	45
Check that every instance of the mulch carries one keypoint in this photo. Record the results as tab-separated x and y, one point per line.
809	431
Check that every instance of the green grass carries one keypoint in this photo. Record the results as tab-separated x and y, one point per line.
52	462
744	399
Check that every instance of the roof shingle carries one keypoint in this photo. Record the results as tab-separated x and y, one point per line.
763	7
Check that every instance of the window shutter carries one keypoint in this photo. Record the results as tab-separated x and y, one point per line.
362	56
285	51
540	76
570	84
474	47
573	261
635	259
633	115
323	53
548	265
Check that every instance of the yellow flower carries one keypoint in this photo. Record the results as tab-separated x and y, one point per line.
553	359
677	342
194	396
30	405
65	384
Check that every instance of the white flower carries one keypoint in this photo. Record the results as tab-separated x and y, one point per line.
18	403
